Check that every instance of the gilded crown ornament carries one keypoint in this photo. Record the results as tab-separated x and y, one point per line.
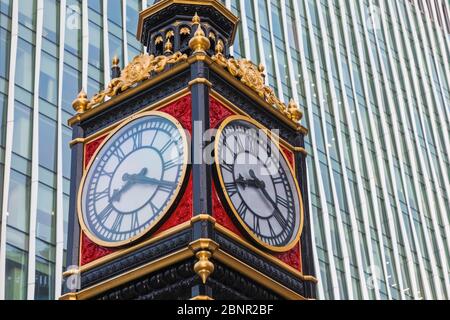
80	104
140	69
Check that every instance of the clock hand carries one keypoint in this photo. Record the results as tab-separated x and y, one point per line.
249	182
277	213
117	194
146	180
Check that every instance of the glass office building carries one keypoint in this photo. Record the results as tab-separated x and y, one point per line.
372	77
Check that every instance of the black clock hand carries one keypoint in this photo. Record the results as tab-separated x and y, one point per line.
117	194
277	213
146	180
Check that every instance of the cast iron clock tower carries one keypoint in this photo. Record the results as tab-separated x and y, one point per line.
188	172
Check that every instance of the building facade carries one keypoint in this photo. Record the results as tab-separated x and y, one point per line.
372	77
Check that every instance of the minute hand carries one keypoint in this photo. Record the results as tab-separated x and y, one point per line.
277	213
146	180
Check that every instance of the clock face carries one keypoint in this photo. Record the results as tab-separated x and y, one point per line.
259	185
133	179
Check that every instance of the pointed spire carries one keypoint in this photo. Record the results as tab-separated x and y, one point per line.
80	104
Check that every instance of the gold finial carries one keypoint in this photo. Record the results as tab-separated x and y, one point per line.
196	19
294	111
199	43
204	268
80	104
115	61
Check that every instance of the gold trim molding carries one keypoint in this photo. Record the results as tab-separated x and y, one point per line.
129	276
254	77
266	256
257	276
200	81
141	68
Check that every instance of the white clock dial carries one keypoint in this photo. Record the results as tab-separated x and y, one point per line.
133	179
258	184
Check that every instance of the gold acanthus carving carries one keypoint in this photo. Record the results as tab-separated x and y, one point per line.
254	77
140	69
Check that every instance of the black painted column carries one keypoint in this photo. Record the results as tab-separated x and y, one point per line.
306	241
73	231
201	170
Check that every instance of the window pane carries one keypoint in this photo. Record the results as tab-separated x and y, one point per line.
45	279
47	143
22	130
45	227
48	85
19	201
25	64
51	21
4	53
16	274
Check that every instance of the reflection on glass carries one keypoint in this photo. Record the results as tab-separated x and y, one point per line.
19	201
47	143
16	274
22	130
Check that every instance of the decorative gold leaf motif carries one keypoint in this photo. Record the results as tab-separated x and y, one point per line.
185	31
140	69
254	77
159	40
212	35
170	34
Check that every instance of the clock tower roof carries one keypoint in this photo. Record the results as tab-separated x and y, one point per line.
172	19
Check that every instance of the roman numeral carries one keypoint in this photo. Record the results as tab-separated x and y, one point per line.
166	146
117	223
154	139
256	225
165	188
278	180
105	213
283	202
108	174
242	210
239	145
135	225
253	146
280	219
101	195
228	167
272	231
231	188
118	152
137	140
154	208
171	164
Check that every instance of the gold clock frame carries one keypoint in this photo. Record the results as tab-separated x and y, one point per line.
169	206
296	239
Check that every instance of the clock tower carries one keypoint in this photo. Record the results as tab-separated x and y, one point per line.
188	172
